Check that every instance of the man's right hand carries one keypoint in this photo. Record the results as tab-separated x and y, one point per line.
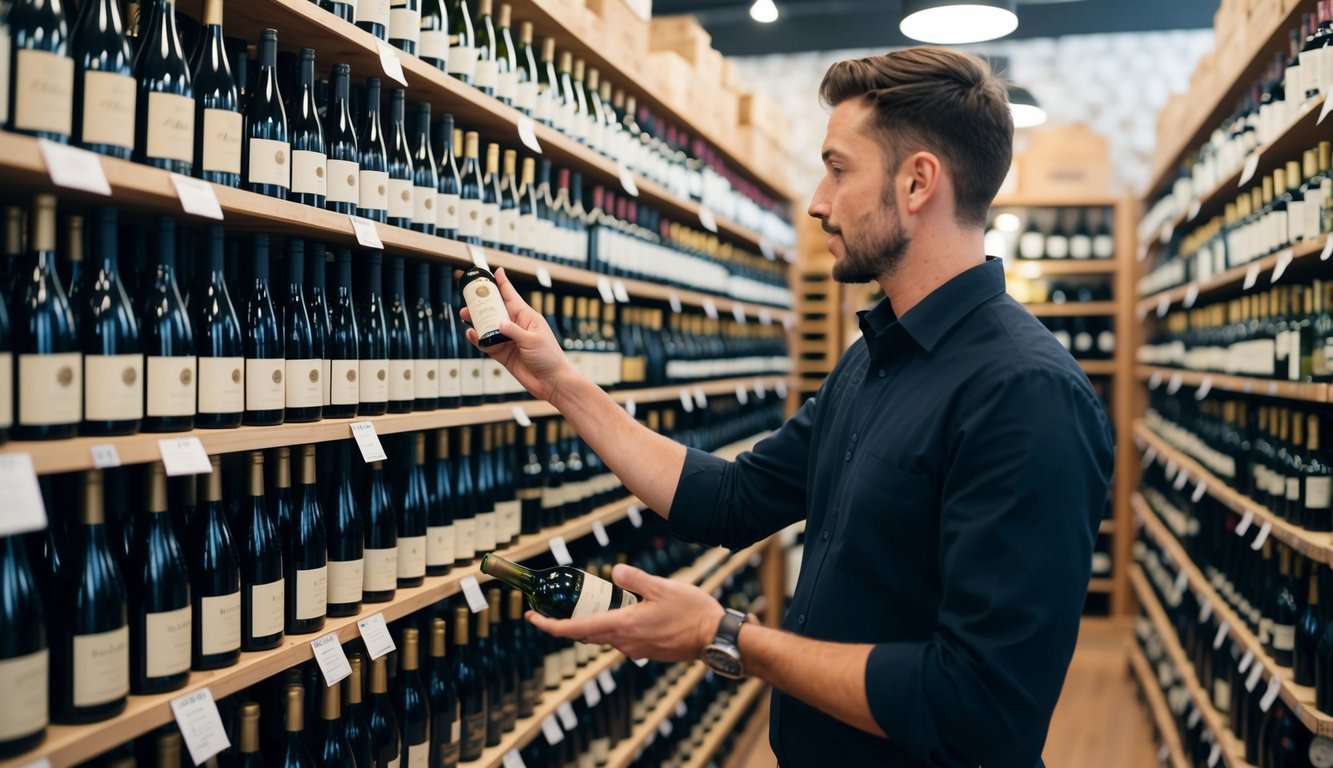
533	355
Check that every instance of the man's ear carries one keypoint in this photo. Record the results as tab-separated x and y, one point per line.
923	171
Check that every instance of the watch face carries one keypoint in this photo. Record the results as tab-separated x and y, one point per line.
723	660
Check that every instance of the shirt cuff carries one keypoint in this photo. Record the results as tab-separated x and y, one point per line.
697	494
894	693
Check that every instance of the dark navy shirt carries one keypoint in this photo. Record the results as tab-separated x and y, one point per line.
952	470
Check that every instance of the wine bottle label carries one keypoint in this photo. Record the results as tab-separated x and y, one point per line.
346	577
170	127
43	92
381	569
400	380
492	373
506	85
473	735
401	203
1318	492
526	232
312	592
469	217
447	212
525	96
49	389
404	22
411	557
374	190
510	513
465	538
551	671
304	388
541	106
1321	752
343	377
486	531
462	61
264	386
594	597
1103	246
486	74
418	755
423	205
221	384
115	387
220	623
485	306
440	545
1284	637
308	169
223	131
372	11
101	667
6	388
451	377
270	162
601	748
434	44
267	603
108	109
1293	489
490	222
373	386
552	498
167	651
508	230
449	752
472	381
569	663
426	379
1082	342
23	708
344	177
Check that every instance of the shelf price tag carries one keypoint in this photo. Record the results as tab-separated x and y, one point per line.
389	62
780	389
1195	205
478	255
1163	306
1149	456
331	659
742	394
1199	491
1168	231
552	731
369	442
1328	246
619	290
599	533
1251	277
1214	755
1182	480
1247	173
635	515
1171	468
1205	387
527	133
543	277
1205	611
1256	673
738	312
627	180
1259	540
759	390
375	634
1245	662
766	249
105	456
1173	386
197	197
1246	520
1221	635
676	307
710	309
1284	260
560	550
24	510
567	717
1191	295
1270	695
606	681
765	317
513	759
604	288
1182	581
74	168
184	456
200	724
1323	113
1142	252
1155	380
686	401
367	235
476	601
700	399
591	693
640	663
706	219
521	416
631	408
1194	718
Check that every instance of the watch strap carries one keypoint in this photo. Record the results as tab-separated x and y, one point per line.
729	628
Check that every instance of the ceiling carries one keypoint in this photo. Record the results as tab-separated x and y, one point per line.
815	25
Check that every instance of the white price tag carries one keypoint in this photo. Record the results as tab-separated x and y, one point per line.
738	312
635	515
389	62
331	659
666	728
74	168
591	693
1284	260
476	601
1214	755
1167	233
1191	295
200	724
1194	718
1221	635
1182	581
560	550
1199	491
619	290
710	309
789	323
604	288
543	277
780	389
551	729
375	634
1270	695
369	442
1256	673
1323	113
631	407
1142	252
184	456
759	390
1195	205
1163	306
367	234
676	307
24	510
627	180
599	533
1251	277
1247	173
766	249
478	255
706	219
567	716
742	394
197	197
1328	245
1181	480
1173	386
640	663
105	456
686	401
1171	468
1259	540
40	762
513	759
1245	521
1245	662
606	681
1155	380
700	399
527	133
1205	387
765	317
521	416
1149	456
1205	611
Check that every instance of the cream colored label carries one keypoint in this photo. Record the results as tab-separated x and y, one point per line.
506	85
490	222
49	388
43	92
101	667
451	377
171	386
401	205
594	597
170	127
440	545
264	386
423	205
220	623
114	387
345	580
108	109
372	11
221	384
462	61
304	386
418	755
486	73
411	557
266	608
1284	637
168	646
1318	492
465	538
374	386
404	24
485	306
447	208
308	169
381	569
469	217
23	707
426	378
345	390
400	380
509	227
374	190
510	514
6	384
434	45
270	162
485	531
223	131
344	182
326	391
312	592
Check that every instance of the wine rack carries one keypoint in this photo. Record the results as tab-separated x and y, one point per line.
1157	708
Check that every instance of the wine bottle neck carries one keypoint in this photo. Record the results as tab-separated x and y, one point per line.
308	71
268	52
517	576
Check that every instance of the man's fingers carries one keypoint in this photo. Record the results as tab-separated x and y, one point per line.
599	624
635	580
513	302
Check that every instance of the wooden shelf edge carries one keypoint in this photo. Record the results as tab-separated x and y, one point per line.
1312	392
740	702
623	754
1161	714
1098	367
1044	267
1101	585
1234	276
1041	201
1073	309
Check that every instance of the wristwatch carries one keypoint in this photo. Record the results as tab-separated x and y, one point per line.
722	655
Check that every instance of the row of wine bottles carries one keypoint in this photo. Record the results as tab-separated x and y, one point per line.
1086	338
1062	233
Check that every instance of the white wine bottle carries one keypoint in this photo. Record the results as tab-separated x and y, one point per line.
561	592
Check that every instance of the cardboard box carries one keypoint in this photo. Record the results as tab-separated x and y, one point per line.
673	77
1065	161
681	34
620	26
731	77
761	112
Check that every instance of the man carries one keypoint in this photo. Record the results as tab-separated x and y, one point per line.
952	470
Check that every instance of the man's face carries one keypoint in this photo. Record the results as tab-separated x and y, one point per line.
855	200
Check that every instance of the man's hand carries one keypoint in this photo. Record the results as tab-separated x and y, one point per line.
534	356
673	622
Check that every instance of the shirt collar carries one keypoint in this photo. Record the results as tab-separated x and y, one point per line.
937	313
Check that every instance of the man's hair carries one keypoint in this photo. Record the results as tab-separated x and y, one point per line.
942	101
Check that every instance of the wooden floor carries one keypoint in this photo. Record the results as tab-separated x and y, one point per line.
1097	724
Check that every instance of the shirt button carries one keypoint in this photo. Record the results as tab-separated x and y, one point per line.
848	457
825	535
800	619
854	435
882	373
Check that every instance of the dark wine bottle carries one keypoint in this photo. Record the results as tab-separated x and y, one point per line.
451	184
265	392
303	370
340	8
425	365
465	500
217	106
355	719
526	656
440	542
413	513
425	176
373	157
526	237
530	483
506	667
472	695
159	598
446	331
490	199
306	559
268	162
24	656
442	696
373	349
487	68
321	324
307	138
405	25
381	539
525	94
484	489
262	588
506	59
109	337
343	191
164	126
221	350
462	62
373	17
491	678
383	723
332	749
470	204
41	77
509	510
247	747
294	751
410	704
104	89
345	540
168	342
434	31
562	592
402	206
344	389
402	389
215	580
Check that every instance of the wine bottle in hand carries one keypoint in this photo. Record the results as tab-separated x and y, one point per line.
562	592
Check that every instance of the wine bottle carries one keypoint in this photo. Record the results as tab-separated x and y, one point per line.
24	655
294	751
411	705
442	697
373	158
490	675
553	497
526	236
528	77
168	749
530	484
104	83
321	324
90	677
332	749
508	196
381	539
451	184
383	723
345	540
215	580
425	176
506	666
548	88
265	392
487	67
402	205
426	364
434	32
41	80
413	511
109	337
6	364
562	592
306	133
168	342
306	571
343	9
164	126
465	500
343	190
217	106
484	489
485	305
267	145
159	598
344	389
472	694
470	205
402	390
373	350
508	509
462	62
262	587
446	328
221	350
373	17
248	742
281	502
525	655
490	199
405	25
303	367
355	720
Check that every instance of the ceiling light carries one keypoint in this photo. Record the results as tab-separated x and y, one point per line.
764	11
1024	109
951	22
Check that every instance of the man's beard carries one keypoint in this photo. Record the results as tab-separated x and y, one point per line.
868	257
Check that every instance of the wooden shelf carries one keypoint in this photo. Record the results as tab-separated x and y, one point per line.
1042	201
1302	253
736	708
1073	309
75	454
1161	713
1098	367
1233	753
1299	697
1311	544
1312	392
1035	268
623	755
1100	586
1107	526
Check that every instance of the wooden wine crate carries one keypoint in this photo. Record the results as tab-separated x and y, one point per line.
758	111
682	34
731	77
672	76
616	25
1065	161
